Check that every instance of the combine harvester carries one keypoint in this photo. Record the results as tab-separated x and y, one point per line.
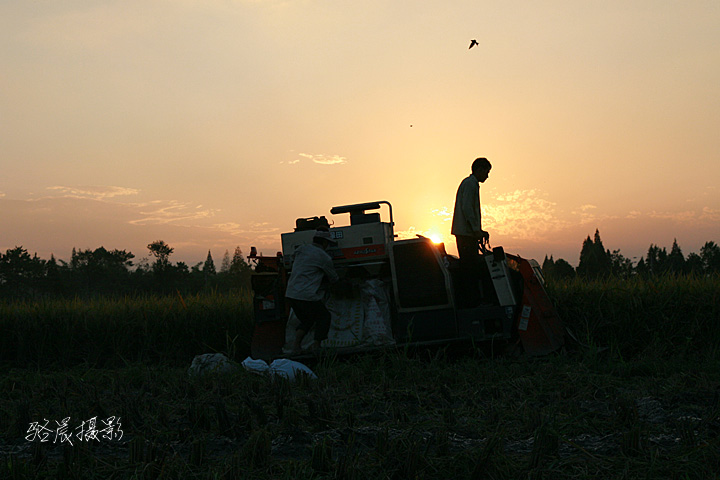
401	292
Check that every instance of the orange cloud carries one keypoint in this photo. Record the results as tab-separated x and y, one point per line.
94	192
521	214
324	159
704	216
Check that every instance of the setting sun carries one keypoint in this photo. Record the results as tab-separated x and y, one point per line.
436	237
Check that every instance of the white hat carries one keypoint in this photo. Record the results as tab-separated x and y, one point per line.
325	235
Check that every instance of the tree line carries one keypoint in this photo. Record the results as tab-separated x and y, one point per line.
598	262
103	272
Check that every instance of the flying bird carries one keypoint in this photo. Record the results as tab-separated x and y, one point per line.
473	42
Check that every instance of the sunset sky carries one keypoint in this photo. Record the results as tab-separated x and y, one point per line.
216	123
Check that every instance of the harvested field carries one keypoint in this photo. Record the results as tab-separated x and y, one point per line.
377	416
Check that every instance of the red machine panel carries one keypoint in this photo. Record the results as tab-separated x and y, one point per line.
539	326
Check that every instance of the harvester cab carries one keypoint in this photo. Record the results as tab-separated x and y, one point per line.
398	292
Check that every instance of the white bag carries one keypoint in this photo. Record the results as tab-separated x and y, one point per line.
378	330
290	369
282	367
346	324
211	363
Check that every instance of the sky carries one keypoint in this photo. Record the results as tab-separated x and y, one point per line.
215	124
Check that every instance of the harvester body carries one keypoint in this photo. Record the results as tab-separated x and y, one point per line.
403	292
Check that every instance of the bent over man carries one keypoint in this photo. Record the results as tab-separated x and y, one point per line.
311	266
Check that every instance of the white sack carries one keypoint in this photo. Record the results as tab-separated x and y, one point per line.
290	369
282	367
377	316
364	319
256	366
211	363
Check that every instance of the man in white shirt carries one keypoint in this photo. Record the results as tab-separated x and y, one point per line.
311	266
467	226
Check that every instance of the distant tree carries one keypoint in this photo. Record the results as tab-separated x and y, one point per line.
20	273
174	278
604	261
209	271
557	269
238	263
548	266
209	265
161	251
710	255
53	276
72	258
656	260
620	265
595	261
181	270
662	260
143	265
675	260
641	268
694	264
225	265
239	271
114	260
101	271
563	269
586	257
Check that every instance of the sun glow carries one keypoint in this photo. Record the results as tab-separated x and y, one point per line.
436	237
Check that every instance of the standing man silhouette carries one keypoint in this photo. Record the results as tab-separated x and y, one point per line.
467	228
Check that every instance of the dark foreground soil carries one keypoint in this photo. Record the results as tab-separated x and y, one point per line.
384	415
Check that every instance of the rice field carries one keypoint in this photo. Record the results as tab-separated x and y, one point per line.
111	332
638	396
659	316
